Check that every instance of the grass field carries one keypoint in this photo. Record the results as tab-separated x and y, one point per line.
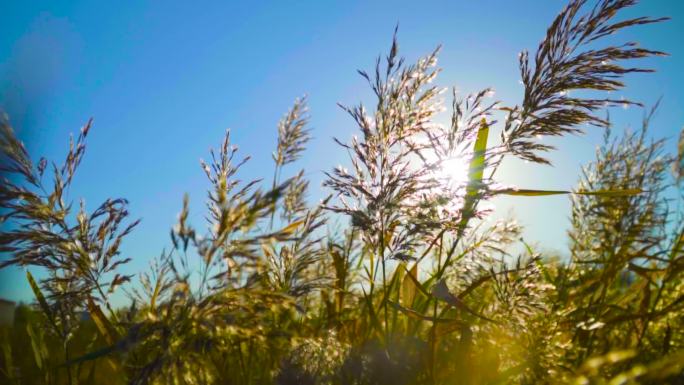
418	288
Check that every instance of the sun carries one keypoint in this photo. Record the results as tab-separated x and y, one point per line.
450	175
450	172
453	172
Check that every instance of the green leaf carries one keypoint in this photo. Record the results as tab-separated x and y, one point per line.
441	292
416	283
41	300
408	286
475	174
416	315
611	193
477	163
155	294
393	287
375	321
531	193
102	322
37	345
7	355
92	355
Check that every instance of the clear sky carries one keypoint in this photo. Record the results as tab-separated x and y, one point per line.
163	80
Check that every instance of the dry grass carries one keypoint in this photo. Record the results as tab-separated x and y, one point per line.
415	290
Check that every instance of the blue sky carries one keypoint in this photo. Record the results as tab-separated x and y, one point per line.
163	80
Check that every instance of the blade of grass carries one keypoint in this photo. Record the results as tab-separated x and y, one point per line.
606	193
475	175
102	322
408	286
41	300
414	314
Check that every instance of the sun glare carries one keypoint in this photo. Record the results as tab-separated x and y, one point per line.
451	175
454	172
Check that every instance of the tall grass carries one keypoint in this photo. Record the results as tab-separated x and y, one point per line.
417	289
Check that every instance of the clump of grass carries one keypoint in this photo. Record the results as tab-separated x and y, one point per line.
416	289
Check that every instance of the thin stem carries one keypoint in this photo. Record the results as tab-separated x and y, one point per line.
433	330
275	183
384	278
